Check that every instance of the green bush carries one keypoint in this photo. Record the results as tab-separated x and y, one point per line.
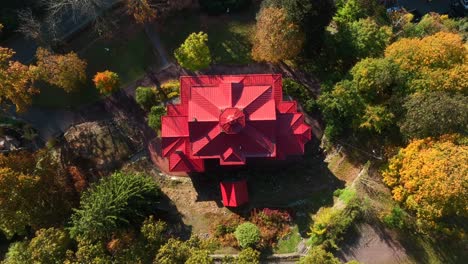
17	253
215	7
153	231
247	234
319	255
174	251
154	117
194	53
395	219
48	246
248	256
146	97
117	201
171	88
200	257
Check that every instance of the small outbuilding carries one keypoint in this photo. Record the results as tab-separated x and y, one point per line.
234	192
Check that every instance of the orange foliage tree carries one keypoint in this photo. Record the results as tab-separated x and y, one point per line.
66	71
429	177
106	82
141	10
276	38
16	81
436	62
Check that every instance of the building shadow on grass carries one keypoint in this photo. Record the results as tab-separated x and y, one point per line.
300	185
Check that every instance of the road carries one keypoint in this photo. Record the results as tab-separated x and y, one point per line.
425	6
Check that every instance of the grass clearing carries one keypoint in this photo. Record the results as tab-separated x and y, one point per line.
289	243
128	56
228	35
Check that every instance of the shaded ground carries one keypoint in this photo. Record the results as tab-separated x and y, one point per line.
373	246
424	6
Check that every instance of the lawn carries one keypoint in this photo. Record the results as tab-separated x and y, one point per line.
128	56
229	36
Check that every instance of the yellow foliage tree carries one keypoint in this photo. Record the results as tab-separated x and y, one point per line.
66	71
276	38
436	62
16	81
141	10
429	177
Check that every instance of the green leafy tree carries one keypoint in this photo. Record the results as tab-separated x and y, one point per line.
434	114
88	252
154	116
114	202
368	38
376	118
200	257
194	53
17	253
174	251
49	246
247	234
248	256
299	92
353	10
276	38
146	97
319	255
153	231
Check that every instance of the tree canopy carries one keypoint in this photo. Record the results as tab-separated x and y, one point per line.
429	178
276	38
194	53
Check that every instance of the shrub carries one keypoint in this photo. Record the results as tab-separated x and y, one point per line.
171	89
194	53
200	257
174	251
153	231
106	82
319	255
247	234
88	252
248	256
145	97
395	218
48	246
154	117
330	224
273	225
114	202
223	229
17	253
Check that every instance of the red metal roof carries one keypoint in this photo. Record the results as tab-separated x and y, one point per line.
231	118
234	193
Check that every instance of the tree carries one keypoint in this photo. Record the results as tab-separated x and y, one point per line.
276	38
32	193
106	82
16	81
145	97
248	256
429	178
65	71
17	253
153	231
48	246
154	117
312	16
200	257
194	53
433	114
88	252
247	234
319	255
353	10
299	92
142	10
368	38
114	202
174	251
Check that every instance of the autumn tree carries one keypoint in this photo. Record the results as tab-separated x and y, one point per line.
16	81
32	192
65	71
106	82
143	11
434	114
436	62
276	38
194	53
429	178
